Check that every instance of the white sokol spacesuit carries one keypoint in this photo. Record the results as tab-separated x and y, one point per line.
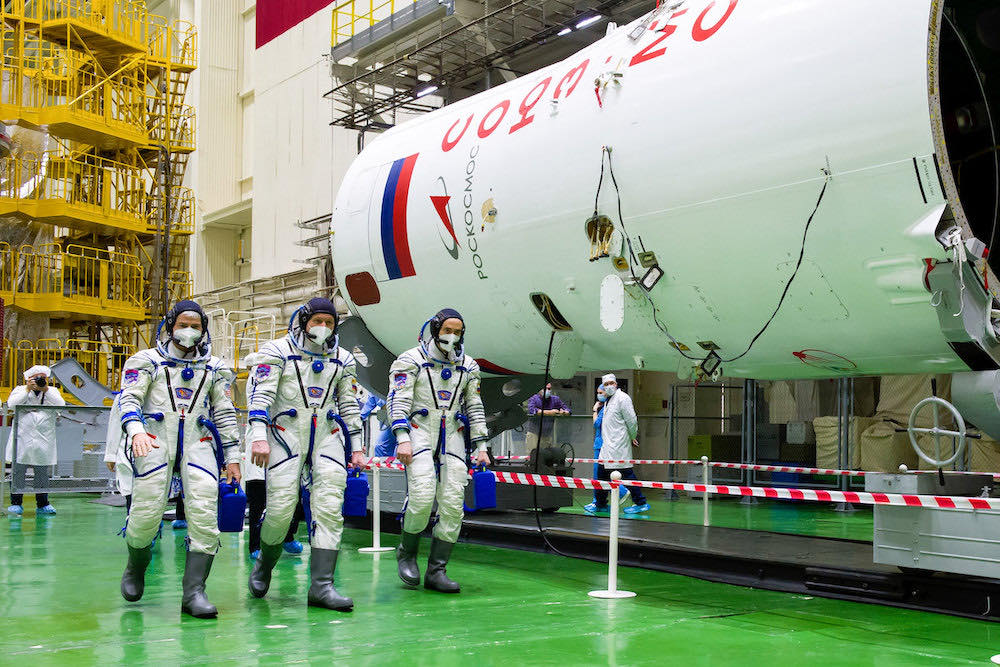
177	398
302	398
433	398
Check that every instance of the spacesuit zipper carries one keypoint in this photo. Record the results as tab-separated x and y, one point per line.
180	443
312	438
441	453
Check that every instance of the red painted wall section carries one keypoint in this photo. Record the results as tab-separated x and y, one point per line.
275	17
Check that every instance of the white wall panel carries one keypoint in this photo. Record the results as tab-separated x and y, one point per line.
219	112
295	165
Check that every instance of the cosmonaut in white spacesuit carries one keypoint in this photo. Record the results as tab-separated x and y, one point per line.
436	412
178	422
305	428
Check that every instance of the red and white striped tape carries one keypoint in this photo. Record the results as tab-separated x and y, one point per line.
753	466
815	495
552	480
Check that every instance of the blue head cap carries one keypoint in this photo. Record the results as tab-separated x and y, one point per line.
437	321
300	318
203	345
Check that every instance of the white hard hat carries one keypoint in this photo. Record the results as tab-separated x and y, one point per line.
36	370
610	377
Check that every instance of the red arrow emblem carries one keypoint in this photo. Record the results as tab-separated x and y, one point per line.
441	206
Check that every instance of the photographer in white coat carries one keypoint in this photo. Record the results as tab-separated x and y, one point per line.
36	437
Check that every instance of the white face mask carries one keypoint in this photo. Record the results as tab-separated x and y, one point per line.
447	341
319	333
609	390
547	393
187	336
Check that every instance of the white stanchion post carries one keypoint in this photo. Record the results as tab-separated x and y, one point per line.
376	546
612	590
706	480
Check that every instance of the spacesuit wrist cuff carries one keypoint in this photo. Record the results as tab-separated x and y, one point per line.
258	431
134	428
402	436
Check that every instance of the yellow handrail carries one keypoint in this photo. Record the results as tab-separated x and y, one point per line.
91	275
102	187
90	185
101	359
347	21
124	19
180	285
175	129
175	42
52	80
183	206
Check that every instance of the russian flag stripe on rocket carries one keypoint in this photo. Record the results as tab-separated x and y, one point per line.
395	244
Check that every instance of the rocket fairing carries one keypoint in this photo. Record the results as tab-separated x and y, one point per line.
713	128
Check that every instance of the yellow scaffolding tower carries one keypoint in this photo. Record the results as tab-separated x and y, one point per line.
106	81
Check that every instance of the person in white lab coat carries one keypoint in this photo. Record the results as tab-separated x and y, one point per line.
36	437
619	428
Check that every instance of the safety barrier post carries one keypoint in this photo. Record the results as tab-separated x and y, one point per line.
706	480
376	546
612	590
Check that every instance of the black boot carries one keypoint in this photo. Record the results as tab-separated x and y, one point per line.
260	575
436	578
195	602
406	557
322	563
134	578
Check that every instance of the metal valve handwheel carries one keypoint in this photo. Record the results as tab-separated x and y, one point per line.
937	432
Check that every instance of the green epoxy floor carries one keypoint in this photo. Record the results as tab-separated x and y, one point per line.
60	605
776	516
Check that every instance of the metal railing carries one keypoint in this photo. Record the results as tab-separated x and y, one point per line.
90	187
176	130
180	285
237	333
85	184
174	43
50	82
92	277
351	17
182	204
80	441
124	20
102	360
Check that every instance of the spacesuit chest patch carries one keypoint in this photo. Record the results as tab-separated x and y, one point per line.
183	393
263	370
400	380
131	376
315	392
444	394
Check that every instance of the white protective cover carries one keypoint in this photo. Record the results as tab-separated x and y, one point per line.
721	125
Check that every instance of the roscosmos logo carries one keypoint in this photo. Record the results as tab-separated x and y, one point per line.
446	230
